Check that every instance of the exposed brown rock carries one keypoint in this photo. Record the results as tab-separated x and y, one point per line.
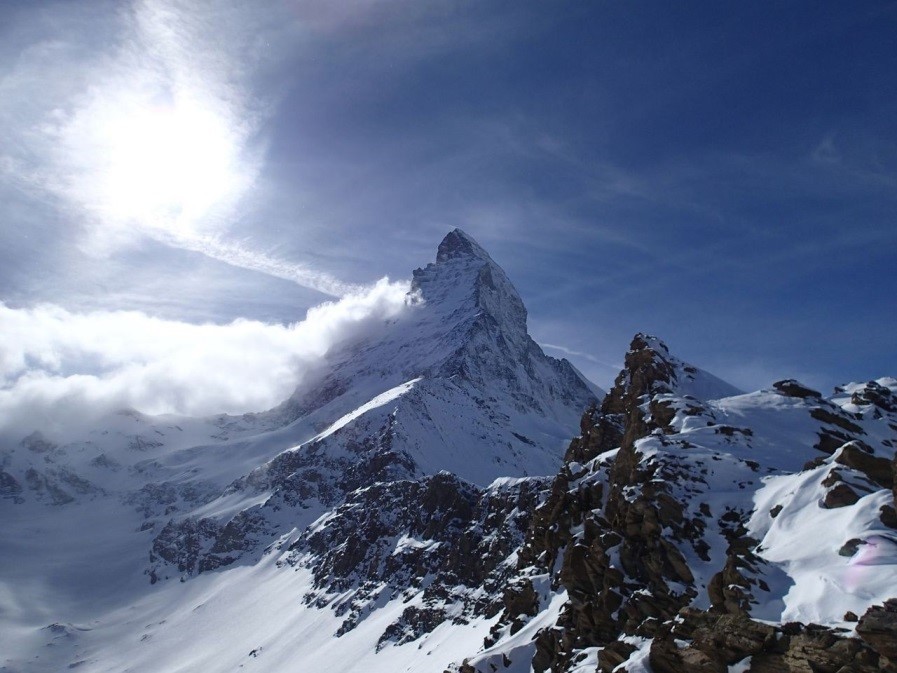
793	388
713	644
521	599
663	413
877	394
613	655
888	516
878	470
878	627
840	496
818	649
729	591
831	440
850	547
835	416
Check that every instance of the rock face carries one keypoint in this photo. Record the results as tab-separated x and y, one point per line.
621	574
439	539
878	627
660	535
701	641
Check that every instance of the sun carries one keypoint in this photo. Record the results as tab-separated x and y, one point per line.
167	166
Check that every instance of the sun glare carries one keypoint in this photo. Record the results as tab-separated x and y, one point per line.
167	166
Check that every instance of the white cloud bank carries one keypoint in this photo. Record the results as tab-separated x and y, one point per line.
56	365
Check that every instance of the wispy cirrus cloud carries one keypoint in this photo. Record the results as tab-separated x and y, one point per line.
159	134
586	356
244	257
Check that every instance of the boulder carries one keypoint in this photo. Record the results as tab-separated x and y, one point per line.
878	627
793	388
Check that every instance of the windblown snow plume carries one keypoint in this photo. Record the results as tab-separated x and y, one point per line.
75	362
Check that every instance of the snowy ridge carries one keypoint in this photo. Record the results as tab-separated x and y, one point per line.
679	377
776	505
378	401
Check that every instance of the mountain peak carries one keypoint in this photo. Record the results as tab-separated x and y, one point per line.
456	244
642	341
650	368
465	278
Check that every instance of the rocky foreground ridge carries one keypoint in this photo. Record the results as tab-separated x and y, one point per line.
660	534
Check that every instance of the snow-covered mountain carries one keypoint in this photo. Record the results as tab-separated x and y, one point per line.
454	383
421	507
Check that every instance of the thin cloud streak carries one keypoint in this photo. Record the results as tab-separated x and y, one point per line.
242	257
586	356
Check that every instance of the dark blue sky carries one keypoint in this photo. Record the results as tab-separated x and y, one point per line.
721	174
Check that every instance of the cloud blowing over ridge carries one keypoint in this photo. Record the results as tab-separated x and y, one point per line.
57	366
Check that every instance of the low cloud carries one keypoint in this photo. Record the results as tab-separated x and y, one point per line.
57	366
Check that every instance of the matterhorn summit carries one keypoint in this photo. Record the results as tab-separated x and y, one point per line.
455	384
462	385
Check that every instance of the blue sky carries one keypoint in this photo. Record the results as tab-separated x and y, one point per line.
723	175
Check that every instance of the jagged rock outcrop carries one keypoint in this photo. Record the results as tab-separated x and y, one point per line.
438	541
708	643
878	627
653	534
602	520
